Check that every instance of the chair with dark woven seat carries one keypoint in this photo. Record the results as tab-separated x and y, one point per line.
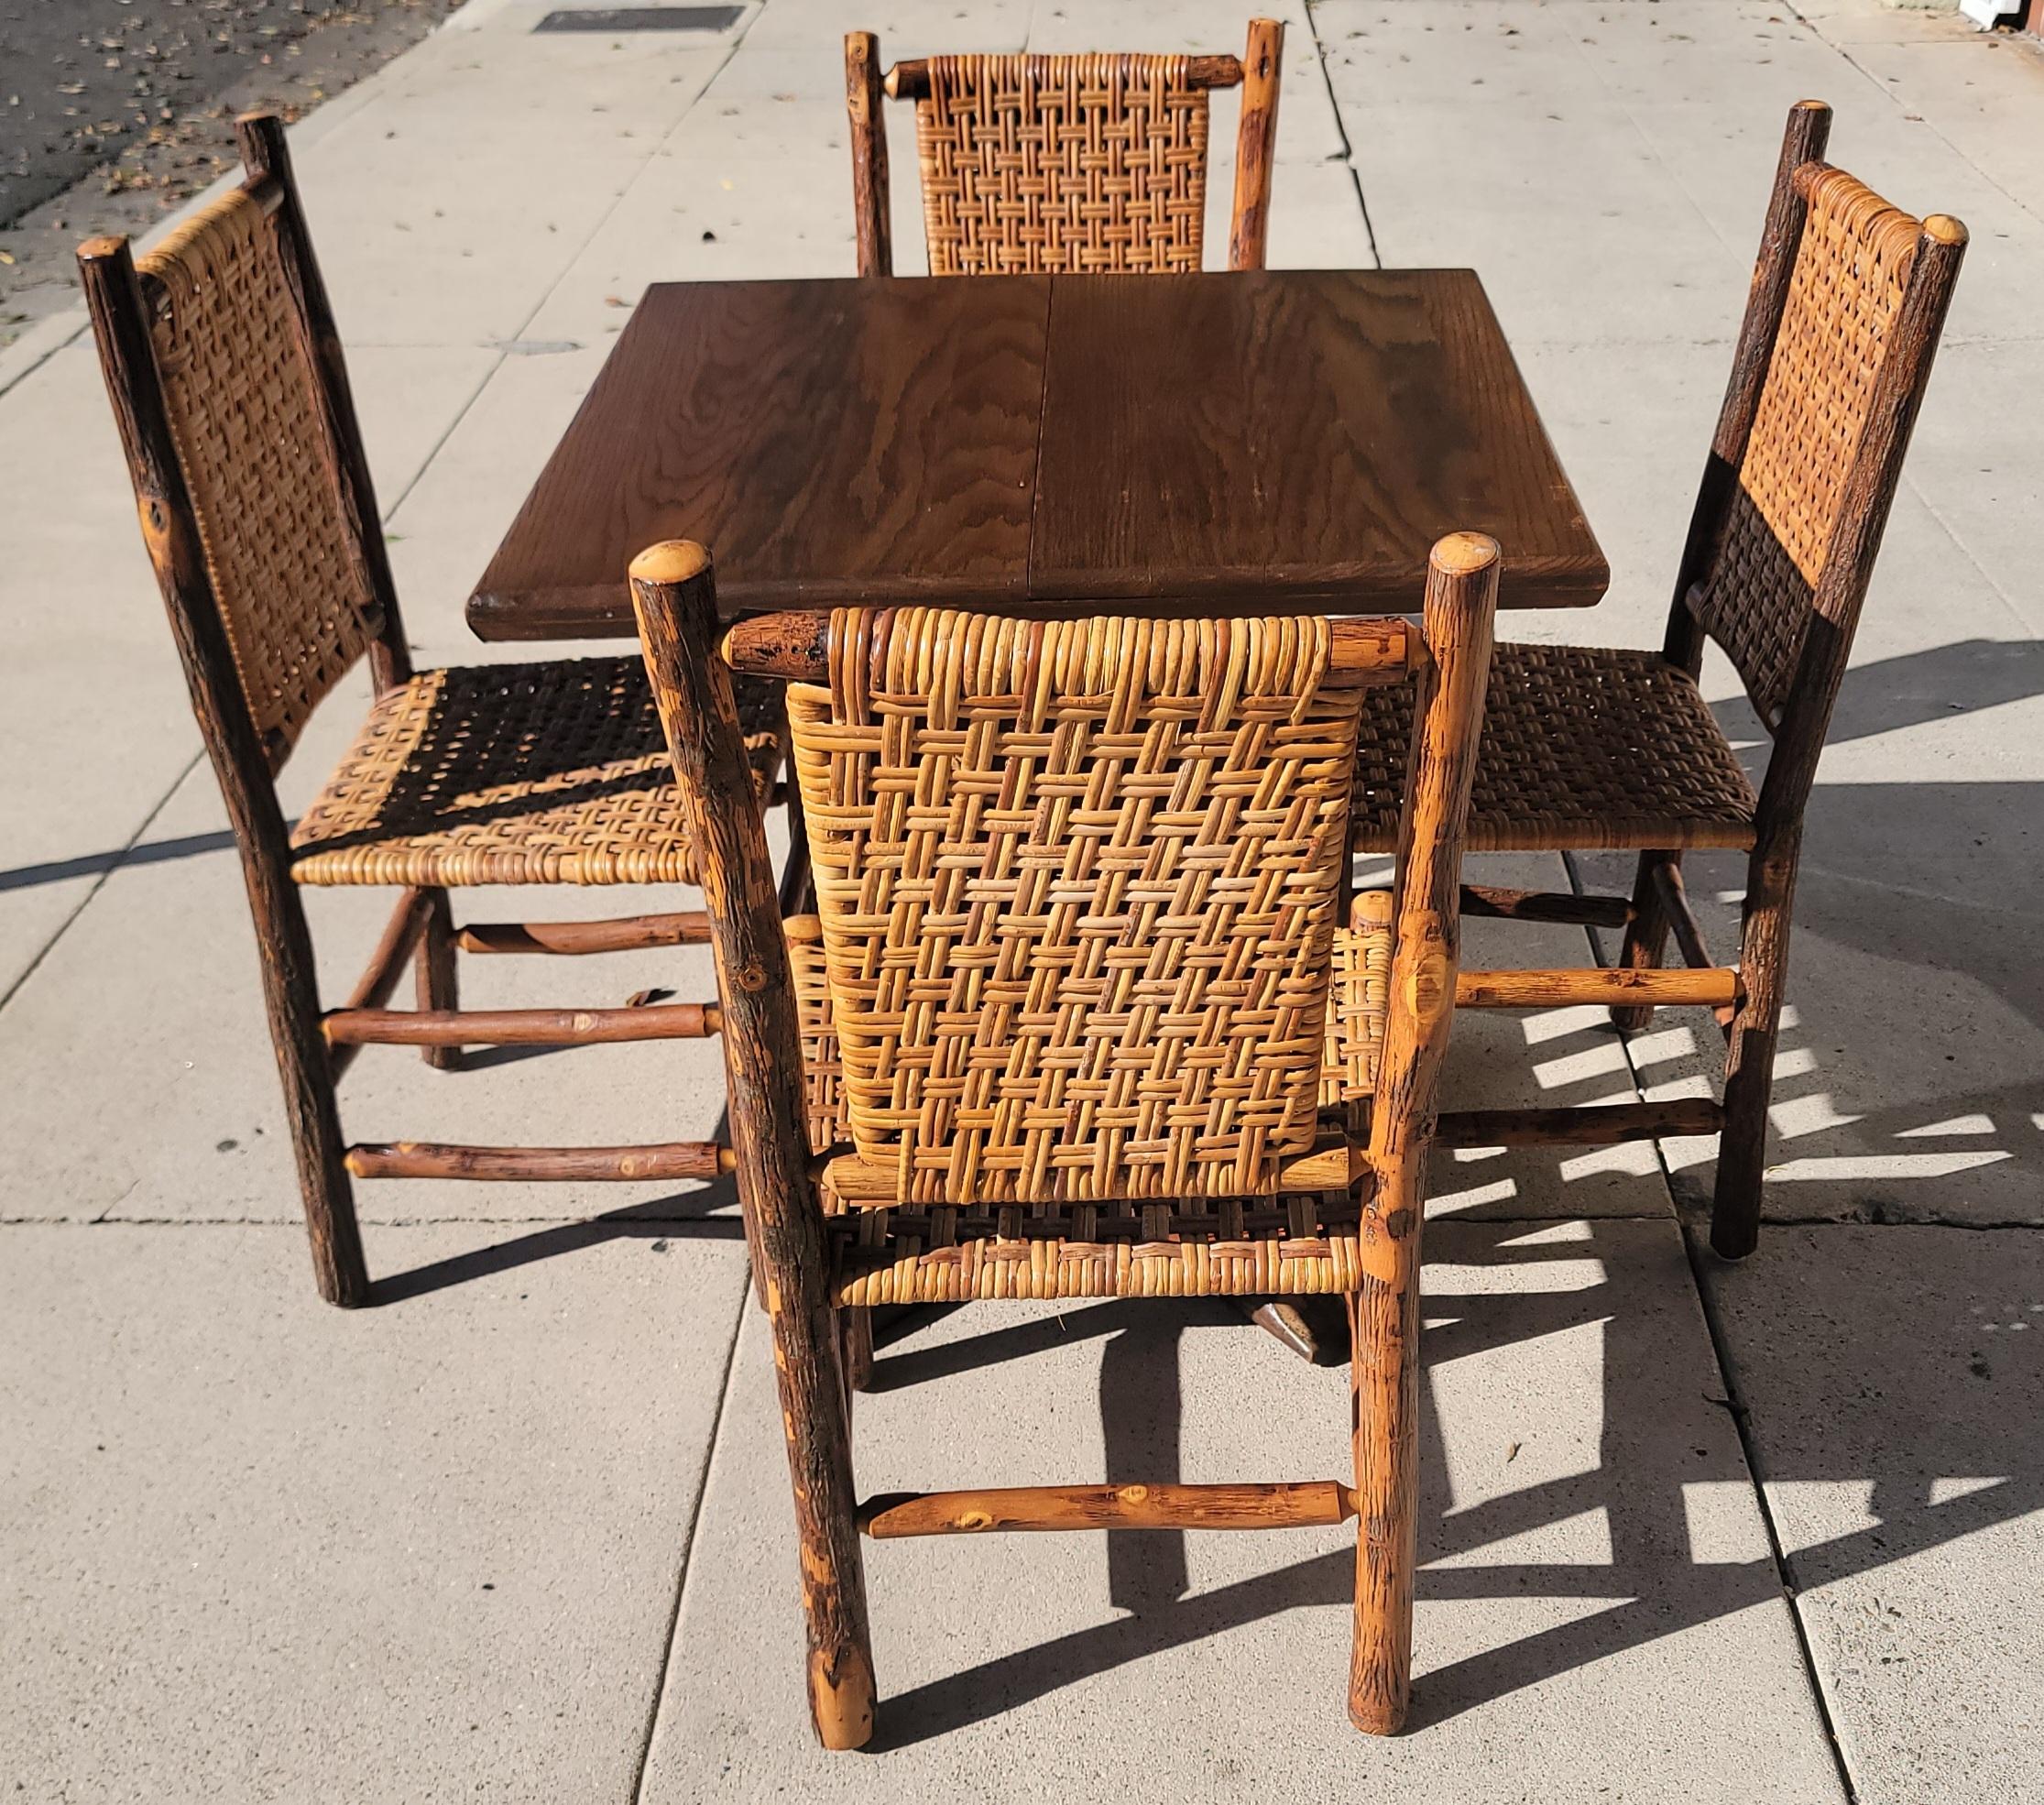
1093	163
230	392
1589	750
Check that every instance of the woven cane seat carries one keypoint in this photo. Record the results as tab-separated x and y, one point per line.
1583	747
515	774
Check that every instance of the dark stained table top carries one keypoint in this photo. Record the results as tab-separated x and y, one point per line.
1288	436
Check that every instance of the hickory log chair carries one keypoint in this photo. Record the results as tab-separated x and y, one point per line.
1593	750
1075	1018
228	383
1092	164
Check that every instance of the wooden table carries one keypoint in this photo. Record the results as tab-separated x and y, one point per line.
1286	436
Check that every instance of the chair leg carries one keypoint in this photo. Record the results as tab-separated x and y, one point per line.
1749	1067
856	1347
815	1414
1646	934
292	999
437	987
1383	1329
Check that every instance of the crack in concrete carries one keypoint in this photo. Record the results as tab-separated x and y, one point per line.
688	1545
1341	125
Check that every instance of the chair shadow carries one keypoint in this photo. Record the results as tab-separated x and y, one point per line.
1931	878
1659	1582
1887	694
97	864
709	1214
486	1058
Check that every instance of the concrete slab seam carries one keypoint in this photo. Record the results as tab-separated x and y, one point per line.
1341	125
688	1541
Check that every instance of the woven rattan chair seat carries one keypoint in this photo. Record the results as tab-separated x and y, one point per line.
1188	1247
515	774
1583	747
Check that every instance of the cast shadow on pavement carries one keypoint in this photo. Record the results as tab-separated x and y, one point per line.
1671	1569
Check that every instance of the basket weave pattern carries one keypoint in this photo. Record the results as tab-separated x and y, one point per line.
1843	295
515	774
1077	883
242	402
1292	1243
1079	163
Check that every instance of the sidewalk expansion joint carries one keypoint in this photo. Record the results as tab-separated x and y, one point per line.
1735	1407
688	1542
1341	125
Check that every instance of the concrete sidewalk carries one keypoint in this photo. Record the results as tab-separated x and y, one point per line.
522	1532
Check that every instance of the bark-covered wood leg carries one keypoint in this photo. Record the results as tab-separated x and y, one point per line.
317	1143
856	1340
1749	1069
815	1412
1384	1325
1284	1323
291	1001
438	986
676	601
1645	934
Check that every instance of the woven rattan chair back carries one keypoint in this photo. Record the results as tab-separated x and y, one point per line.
1835	332
1096	164
1078	883
1091	164
260	462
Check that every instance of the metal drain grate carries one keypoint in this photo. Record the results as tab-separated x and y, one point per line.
643	18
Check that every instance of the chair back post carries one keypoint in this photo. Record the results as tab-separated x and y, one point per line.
241	758
1458	625
865	107
674	595
1461	602
1855	539
265	155
1803	141
1256	144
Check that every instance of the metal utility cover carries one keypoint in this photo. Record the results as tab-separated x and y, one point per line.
643	18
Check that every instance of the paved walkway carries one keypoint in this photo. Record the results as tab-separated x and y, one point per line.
522	1532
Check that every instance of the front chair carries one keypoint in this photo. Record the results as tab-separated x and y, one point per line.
232	396
1091	164
1076	1016
1587	750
